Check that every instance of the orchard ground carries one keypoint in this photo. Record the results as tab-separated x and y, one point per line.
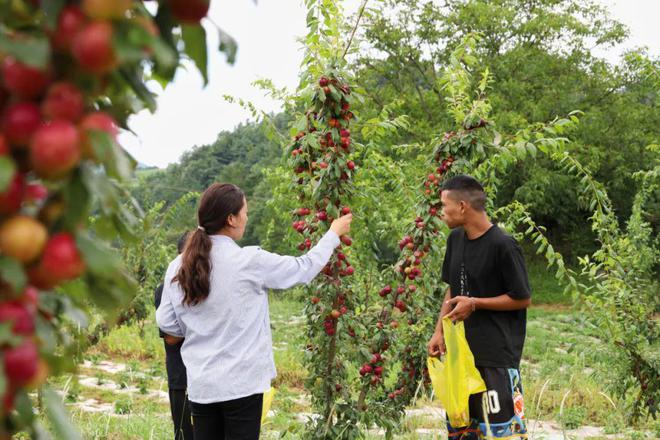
120	391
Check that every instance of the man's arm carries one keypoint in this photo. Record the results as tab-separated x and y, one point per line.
172	340
166	317
158	294
169	339
436	345
446	308
465	305
502	303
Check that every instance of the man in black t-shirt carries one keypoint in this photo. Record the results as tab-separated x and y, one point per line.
489	291
176	375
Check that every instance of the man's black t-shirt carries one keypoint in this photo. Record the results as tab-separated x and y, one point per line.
493	265
176	371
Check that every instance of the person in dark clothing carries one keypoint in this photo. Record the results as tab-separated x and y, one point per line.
489	291
176	374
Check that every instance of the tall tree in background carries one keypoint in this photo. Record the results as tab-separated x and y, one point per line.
541	55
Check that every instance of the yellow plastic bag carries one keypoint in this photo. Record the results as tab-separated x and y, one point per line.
268	400
456	378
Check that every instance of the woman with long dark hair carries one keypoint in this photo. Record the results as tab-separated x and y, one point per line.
215	296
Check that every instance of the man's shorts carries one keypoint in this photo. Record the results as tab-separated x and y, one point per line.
503	406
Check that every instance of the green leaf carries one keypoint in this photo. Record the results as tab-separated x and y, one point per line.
194	38
549	254
23	405
32	50
7	170
134	79
497	139
100	258
58	417
3	379
111	291
164	73
45	331
101	143
40	432
228	46
116	162
97	183
531	148
7	336
130	42
52	10
77	199
74	313
165	56
12	272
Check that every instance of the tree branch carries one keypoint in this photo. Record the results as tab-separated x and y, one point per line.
357	22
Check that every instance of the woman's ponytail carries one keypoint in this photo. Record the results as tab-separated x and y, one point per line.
194	275
218	202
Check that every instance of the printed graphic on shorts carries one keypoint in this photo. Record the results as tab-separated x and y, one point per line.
472	432
502	404
517	391
514	427
492	402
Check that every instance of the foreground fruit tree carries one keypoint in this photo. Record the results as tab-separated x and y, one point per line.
71	73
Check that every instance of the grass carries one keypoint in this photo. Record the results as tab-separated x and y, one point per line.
564	362
545	289
288	325
564	370
133	342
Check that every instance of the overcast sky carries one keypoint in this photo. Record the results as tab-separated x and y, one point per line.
267	32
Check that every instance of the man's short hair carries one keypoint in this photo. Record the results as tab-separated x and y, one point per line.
467	188
181	243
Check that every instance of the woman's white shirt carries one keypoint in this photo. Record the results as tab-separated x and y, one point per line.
228	349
